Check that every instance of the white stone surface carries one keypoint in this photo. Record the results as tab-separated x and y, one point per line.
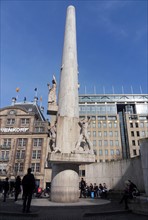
144	161
68	91
65	183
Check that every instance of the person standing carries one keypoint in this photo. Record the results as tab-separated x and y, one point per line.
28	184
6	188
17	187
82	188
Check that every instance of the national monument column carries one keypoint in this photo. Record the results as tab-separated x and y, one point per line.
65	158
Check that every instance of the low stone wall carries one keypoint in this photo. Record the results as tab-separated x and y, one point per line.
115	173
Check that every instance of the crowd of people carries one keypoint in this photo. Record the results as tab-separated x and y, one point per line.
96	191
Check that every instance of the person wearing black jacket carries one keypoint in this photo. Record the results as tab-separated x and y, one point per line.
6	188
28	184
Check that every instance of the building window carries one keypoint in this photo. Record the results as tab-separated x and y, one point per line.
20	154
110	125
110	133
24	121
132	133
142	134
39	129
105	133
131	125
36	154
35	167
138	134
99	124
116	133
100	143
111	143
106	152
37	142
115	125
141	125
93	124
105	143
104	125
112	118
18	167
116	143
134	152
101	118
94	142
100	152
22	142
5	155
7	142
133	142
136	125
10	121
99	133
94	133
112	152
117	152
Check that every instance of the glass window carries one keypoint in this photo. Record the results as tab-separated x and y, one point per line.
10	121
22	142
99	124
131	125
105	143
94	133
99	133
134	152
101	118
116	133
37	142
111	143
89	133
117	152
24	121
34	154
132	133
100	142
39	129
110	133
110	125
112	152
112	118
106	152
142	134
33	167
100	152
37	167
105	133
138	134
116	143
141	125
7	142
21	167
104	125
136	125
115	125
94	142
133	142
38	154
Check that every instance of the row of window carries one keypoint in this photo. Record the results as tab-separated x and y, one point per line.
103	133
22	142
139	125
20	154
103	125
19	167
106	152
106	143
139	133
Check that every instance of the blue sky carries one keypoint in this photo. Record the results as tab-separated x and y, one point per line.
111	42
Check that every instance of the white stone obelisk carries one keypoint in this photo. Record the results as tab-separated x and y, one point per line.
64	159
65	178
